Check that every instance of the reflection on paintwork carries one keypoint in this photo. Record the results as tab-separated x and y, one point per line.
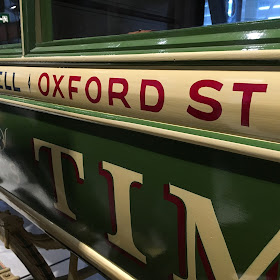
162	42
254	35
178	216
229	212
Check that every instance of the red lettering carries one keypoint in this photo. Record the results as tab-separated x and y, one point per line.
119	95
45	93
216	106
98	83
73	89
57	83
158	106
248	90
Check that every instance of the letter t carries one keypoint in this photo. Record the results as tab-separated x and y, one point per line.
56	153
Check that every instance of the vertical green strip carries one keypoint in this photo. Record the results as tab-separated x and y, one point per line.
46	20
28	24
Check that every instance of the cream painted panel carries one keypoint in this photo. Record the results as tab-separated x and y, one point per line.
264	119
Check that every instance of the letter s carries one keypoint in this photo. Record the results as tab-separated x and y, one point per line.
216	106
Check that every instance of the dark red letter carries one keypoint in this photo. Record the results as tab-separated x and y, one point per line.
57	83
73	89
248	90
159	87
45	93
98	97
216	106
120	95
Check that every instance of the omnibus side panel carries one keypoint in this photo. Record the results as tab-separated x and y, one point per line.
153	206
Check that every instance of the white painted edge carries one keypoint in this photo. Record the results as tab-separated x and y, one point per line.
246	54
81	249
223	145
21	29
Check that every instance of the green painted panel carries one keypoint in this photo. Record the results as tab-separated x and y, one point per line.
187	130
244	191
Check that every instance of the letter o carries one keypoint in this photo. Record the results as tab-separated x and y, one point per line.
45	93
98	83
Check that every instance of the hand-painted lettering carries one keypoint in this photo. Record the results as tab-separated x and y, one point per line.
214	104
7	87
56	154
47	78
57	83
200	216
118	95
122	180
98	95
1	86
14	87
196	219
71	88
247	90
160	91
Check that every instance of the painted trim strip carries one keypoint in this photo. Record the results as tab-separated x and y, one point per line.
230	143
84	251
154	57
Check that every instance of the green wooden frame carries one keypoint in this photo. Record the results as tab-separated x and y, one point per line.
28	25
10	50
236	36
259	35
208	38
